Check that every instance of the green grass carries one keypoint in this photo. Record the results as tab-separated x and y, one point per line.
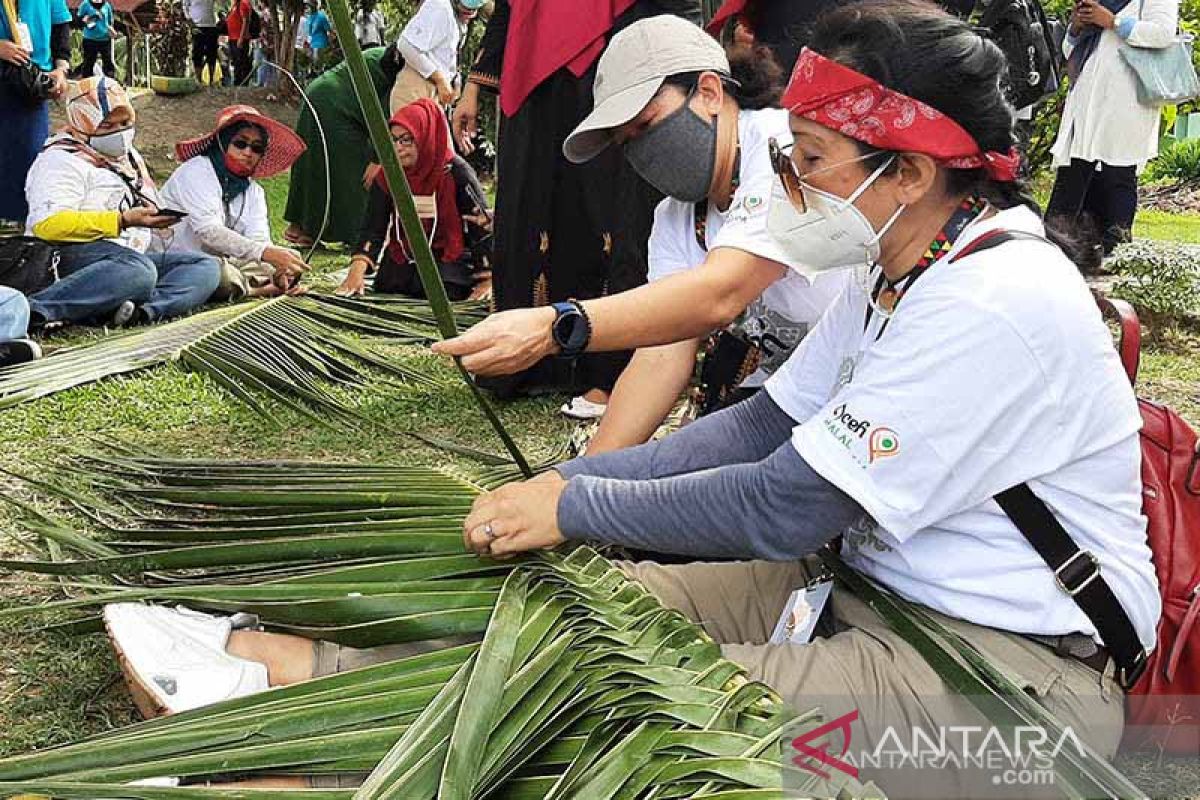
1165	226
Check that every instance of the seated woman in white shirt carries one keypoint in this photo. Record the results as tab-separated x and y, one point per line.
720	210
227	209
956	368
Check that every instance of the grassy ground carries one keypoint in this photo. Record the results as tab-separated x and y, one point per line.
54	689
1168	227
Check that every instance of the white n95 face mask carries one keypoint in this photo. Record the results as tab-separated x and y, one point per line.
113	145
832	234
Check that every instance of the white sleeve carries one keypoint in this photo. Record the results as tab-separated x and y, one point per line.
415	58
56	182
746	223
429	27
947	409
807	379
255	222
1157	25
667	254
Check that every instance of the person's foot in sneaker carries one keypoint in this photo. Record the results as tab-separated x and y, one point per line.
124	313
19	351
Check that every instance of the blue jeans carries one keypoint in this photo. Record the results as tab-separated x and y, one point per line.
95	278
14	314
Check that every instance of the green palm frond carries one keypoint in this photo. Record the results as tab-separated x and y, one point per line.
583	686
291	350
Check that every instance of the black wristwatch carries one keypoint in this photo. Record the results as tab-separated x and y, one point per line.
572	330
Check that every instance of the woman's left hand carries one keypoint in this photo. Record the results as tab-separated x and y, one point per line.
515	518
1089	12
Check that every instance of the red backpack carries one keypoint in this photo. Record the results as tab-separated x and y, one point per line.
1163	688
1163	707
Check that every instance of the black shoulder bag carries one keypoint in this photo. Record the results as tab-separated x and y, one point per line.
27	264
29	83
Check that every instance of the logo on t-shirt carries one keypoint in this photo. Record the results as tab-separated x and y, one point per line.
883	443
865	442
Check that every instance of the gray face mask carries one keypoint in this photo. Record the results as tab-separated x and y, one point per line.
677	156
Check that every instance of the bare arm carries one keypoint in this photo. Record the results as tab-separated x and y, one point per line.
686	305
644	395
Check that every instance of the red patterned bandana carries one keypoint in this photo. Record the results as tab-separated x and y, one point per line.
849	102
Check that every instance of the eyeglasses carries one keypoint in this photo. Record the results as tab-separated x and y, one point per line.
246	144
789	176
792	180
404	140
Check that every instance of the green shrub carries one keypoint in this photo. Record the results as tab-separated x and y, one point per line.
1179	162
1160	280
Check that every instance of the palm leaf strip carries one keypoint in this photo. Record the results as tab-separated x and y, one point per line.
414	232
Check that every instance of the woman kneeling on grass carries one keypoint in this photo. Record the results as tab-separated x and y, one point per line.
227	209
662	109
450	203
946	376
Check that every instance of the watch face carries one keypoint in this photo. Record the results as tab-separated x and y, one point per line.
570	330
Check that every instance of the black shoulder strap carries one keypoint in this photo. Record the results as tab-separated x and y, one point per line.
1077	572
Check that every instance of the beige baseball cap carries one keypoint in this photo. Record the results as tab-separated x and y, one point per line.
633	67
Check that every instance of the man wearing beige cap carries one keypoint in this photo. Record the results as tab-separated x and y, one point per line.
695	126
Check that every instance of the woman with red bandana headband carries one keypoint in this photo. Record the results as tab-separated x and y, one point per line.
960	364
226	208
450	202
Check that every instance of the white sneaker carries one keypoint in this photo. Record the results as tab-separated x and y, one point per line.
174	659
582	408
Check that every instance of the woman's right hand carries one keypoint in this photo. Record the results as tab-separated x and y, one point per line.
287	262
146	217
355	284
505	343
13	53
465	119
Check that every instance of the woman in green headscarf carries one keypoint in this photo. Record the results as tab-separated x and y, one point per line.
226	209
349	152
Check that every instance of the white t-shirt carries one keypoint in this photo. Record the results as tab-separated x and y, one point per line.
63	181
995	370
369	28
789	308
436	31
202	13
194	188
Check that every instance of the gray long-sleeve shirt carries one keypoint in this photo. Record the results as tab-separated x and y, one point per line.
729	485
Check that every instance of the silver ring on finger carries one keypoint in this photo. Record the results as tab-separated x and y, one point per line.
489	532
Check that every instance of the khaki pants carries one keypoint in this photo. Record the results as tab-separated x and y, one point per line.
237	281
409	88
857	664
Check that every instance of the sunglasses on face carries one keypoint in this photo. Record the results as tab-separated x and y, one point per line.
243	144
404	140
785	168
